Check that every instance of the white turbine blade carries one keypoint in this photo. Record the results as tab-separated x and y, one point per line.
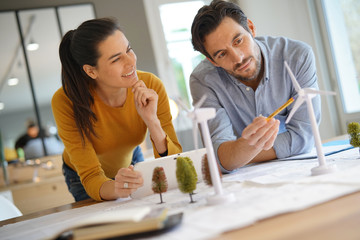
295	82
297	104
181	104
200	102
314	91
196	145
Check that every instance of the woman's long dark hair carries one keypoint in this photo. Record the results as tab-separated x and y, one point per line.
77	48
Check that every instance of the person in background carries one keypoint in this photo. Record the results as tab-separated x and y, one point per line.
30	146
244	79
32	132
104	110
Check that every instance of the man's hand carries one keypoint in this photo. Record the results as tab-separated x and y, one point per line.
261	133
254	145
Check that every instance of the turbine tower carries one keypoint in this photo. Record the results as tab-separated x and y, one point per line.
306	94
190	114
201	116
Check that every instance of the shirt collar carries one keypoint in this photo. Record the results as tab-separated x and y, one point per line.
265	55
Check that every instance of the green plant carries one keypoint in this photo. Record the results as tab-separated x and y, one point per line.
354	132
186	176
191	165
159	182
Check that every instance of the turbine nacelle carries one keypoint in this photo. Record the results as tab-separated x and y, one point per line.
311	92
195	116
202	114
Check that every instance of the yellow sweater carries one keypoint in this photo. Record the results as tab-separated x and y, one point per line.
119	131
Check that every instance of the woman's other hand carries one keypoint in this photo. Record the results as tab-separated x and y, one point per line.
127	181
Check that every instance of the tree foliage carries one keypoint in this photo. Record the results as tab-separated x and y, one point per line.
186	175
159	181
206	170
354	132
192	168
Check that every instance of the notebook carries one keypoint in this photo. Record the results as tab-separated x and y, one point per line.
121	224
169	165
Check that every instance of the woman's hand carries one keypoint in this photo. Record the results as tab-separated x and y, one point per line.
127	181
261	133
146	101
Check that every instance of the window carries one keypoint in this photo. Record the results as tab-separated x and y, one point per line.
170	23
176	19
342	19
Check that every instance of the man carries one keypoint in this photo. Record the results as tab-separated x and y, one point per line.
32	132
245	80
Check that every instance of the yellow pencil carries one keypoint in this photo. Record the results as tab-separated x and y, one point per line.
280	108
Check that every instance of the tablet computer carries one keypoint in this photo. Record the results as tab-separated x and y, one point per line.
169	164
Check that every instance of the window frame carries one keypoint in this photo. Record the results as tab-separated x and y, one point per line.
331	68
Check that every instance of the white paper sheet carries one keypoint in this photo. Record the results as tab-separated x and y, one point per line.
261	191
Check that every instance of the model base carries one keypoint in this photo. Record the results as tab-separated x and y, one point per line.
323	169
220	199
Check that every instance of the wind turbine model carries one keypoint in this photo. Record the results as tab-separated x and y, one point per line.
306	94
190	114
202	115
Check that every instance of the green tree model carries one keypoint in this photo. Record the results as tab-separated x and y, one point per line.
159	182
206	171
354	132
192	168
186	176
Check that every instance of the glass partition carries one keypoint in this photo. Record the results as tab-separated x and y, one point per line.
70	18
16	102
30	73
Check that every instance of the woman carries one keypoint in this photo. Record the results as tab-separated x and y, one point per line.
104	110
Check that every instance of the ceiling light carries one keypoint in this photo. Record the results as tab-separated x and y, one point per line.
32	46
13	81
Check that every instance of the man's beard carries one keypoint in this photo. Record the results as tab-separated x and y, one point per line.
247	79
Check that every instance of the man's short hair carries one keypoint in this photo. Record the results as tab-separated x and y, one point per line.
209	18
31	123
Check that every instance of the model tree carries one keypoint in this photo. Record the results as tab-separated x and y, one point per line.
159	182
206	171
192	168
186	176
354	132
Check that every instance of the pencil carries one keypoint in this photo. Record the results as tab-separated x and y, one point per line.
280	108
